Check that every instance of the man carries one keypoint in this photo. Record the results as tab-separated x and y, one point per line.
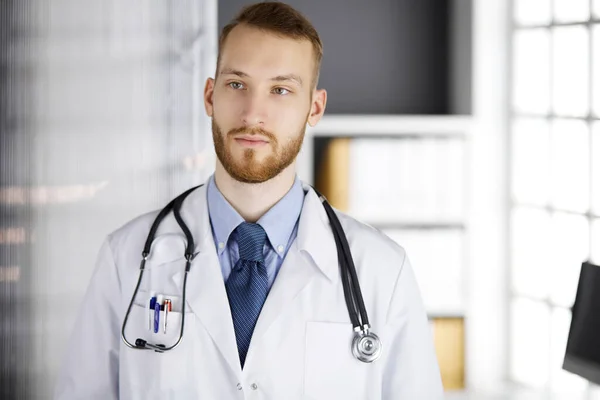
265	313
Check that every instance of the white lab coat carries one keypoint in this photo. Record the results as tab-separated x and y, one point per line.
300	347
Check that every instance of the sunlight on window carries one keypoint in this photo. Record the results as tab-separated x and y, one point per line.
595	257
571	10
531	161
530	342
596	8
531	71
596	68
532	12
555	162
596	168
570	78
568	248
562	381
570	165
530	235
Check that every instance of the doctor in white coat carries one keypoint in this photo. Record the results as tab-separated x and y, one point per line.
274	324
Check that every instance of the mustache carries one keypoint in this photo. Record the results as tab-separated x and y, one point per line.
253	131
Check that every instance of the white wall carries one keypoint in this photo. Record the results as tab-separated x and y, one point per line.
487	304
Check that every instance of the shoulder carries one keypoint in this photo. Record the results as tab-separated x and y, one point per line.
383	268
132	234
370	243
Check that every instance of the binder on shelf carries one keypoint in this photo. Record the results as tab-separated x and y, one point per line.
332	175
449	340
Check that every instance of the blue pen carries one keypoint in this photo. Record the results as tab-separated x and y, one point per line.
159	301
151	312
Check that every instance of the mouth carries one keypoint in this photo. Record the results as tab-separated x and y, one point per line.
251	141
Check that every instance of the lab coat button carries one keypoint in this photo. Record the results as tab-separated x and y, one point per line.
254	386
239	386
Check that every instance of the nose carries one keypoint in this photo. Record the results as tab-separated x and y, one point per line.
254	110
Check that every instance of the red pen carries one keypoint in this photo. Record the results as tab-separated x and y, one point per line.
168	307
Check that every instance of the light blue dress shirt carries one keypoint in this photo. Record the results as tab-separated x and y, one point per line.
280	223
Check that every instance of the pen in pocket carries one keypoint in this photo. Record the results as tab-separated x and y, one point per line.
167	310
151	312
159	300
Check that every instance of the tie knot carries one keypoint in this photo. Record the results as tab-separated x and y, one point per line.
251	240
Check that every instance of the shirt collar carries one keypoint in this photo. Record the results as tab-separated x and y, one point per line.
279	222
223	217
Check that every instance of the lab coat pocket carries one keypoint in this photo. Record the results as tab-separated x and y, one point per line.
331	371
159	372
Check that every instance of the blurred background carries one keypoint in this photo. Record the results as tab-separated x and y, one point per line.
466	130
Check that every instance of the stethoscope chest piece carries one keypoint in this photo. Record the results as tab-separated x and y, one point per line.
366	346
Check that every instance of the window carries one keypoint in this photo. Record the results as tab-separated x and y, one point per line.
555	180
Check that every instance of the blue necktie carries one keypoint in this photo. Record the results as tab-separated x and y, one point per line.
247	285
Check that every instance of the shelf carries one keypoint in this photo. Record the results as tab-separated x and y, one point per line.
417	225
392	125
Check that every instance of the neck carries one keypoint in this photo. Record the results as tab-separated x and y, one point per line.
253	200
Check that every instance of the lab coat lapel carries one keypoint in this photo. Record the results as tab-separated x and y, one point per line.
206	293
295	274
312	255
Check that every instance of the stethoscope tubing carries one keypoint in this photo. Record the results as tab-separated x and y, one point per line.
175	206
352	293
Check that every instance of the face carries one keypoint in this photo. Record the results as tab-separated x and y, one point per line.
260	103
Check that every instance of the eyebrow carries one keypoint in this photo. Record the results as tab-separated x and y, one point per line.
278	78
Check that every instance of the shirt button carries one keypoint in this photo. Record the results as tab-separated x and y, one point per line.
221	245
280	248
254	386
239	386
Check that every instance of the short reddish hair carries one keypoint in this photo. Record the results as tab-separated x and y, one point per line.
280	19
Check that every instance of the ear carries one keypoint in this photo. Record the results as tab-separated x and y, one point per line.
317	107
208	96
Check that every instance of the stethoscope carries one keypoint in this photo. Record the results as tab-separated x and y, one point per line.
366	346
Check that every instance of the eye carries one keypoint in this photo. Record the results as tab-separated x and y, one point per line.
235	85
281	91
